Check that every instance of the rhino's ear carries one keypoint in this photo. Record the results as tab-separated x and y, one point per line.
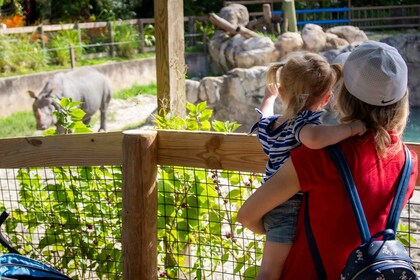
32	94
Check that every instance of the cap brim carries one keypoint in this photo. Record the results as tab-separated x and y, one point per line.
341	58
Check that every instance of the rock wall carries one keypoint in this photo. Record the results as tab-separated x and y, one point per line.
234	95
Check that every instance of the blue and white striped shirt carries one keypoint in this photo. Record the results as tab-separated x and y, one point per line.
278	143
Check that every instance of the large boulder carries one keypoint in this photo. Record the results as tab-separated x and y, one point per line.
409	48
236	14
288	42
314	38
351	34
233	96
335	42
257	51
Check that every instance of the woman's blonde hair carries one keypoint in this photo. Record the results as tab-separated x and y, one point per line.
306	80
378	119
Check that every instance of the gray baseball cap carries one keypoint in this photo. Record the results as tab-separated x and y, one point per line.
376	73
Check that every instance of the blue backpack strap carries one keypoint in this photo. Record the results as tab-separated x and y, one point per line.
316	257
341	163
397	203
394	215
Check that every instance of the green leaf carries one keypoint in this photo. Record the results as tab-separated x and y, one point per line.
77	114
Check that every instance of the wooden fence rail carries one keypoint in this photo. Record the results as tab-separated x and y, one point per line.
140	153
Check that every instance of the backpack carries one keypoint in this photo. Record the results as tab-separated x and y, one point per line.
383	259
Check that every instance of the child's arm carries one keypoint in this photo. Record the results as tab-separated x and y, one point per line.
320	136
267	105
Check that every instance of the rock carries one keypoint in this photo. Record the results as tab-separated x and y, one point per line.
214	46
330	55
258	51
236	14
350	33
335	42
191	91
314	38
409	47
288	42
210	89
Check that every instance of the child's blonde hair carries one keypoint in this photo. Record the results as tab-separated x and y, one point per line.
306	80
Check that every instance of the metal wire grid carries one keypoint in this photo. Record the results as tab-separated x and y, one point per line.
67	217
198	236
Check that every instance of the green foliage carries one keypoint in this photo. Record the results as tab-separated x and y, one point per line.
61	42
20	54
197	119
404	236
69	117
74	214
149	35
195	211
206	28
126	36
18	124
135	90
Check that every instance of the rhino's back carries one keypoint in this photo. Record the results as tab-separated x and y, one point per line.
88	86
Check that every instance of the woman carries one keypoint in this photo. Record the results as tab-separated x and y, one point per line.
374	91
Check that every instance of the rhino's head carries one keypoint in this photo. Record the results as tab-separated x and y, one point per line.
44	105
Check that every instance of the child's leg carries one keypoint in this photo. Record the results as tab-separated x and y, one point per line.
274	256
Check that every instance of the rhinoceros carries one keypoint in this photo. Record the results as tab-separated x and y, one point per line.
86	85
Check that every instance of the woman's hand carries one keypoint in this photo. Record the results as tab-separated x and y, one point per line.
279	188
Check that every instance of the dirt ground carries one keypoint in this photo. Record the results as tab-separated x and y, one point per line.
128	114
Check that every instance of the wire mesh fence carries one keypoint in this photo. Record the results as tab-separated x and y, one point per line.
70	217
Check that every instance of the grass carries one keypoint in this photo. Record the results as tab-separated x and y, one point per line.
23	123
128	93
18	124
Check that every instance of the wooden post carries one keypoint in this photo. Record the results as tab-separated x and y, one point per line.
72	57
267	18
41	35
139	205
141	34
170	57
111	39
289	12
191	31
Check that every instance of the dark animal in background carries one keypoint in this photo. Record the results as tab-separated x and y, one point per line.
86	85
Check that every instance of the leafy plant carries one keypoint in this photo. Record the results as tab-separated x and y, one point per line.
126	37
149	35
195	211
69	118
69	202
20	54
61	43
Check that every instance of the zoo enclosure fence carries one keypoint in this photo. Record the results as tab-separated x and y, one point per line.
169	228
366	18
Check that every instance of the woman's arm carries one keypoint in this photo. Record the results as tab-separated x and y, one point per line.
279	188
320	136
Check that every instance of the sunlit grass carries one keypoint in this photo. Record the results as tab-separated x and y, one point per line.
18	124
135	90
